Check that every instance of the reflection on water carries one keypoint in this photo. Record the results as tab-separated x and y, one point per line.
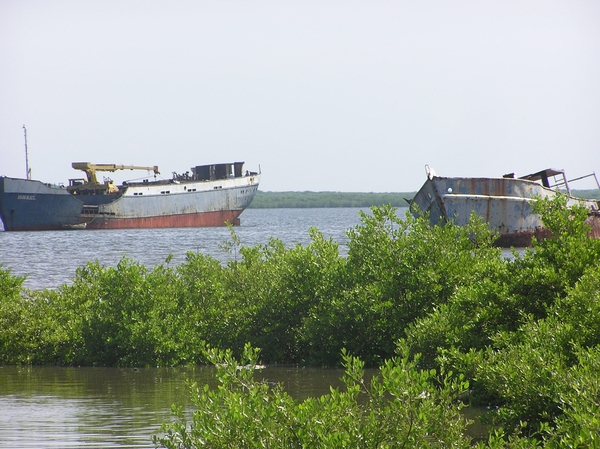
49	421
53	407
50	407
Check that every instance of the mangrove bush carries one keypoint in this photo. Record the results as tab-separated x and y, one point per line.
418	302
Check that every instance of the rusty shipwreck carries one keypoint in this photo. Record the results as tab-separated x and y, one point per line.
209	195
505	202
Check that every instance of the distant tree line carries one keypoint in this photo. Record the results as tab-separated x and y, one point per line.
274	200
589	194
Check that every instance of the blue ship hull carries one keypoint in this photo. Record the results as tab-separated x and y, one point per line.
27	205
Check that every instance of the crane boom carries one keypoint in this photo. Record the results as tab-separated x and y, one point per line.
91	169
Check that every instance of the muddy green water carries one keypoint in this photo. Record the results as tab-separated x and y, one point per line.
50	407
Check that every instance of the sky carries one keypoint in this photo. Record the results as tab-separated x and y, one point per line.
327	95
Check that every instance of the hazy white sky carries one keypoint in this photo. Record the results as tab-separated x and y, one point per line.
323	95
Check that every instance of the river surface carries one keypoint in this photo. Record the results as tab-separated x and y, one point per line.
50	258
51	407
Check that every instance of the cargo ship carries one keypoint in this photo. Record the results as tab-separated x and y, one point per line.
506	202
209	195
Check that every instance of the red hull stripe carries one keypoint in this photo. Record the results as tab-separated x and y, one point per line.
205	219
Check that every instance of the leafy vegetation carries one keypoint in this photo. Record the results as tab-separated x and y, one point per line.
402	407
449	320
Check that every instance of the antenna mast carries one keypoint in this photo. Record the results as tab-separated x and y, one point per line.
26	155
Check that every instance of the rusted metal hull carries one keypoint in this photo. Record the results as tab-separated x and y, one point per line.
505	203
205	219
184	204
594	221
27	205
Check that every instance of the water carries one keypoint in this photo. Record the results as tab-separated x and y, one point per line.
50	407
49	258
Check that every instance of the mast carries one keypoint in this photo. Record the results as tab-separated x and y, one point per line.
26	155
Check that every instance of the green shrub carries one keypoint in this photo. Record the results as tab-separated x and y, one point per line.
279	288
402	407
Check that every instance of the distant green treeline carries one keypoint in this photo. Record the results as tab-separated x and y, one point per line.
589	194
275	200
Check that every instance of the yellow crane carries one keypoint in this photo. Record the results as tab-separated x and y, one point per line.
91	169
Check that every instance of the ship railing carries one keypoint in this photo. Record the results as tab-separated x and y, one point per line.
566	183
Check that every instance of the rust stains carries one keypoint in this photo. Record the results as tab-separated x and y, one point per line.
594	221
205	219
521	239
